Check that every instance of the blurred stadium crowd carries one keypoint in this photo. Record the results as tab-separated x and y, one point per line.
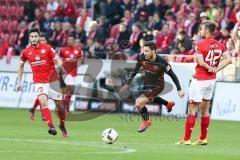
116	29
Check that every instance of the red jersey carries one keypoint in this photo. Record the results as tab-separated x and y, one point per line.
70	56
40	59
211	50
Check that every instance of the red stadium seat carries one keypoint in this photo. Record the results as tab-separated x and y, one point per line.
20	3
3	3
13	37
12	25
11	10
4	25
13	18
19	11
12	3
3	10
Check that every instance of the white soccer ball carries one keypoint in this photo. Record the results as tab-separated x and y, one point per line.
109	135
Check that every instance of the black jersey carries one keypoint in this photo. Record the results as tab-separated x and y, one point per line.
154	71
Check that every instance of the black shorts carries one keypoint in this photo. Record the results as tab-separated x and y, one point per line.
152	91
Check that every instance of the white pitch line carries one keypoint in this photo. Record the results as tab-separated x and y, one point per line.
120	149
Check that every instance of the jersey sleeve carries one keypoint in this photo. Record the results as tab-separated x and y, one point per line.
134	71
51	52
61	53
198	49
169	71
23	57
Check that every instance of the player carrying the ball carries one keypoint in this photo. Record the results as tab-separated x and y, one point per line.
209	52
154	67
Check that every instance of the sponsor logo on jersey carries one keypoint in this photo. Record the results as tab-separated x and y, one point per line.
155	68
37	58
43	51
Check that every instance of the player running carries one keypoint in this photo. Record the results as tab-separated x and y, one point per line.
43	40
209	52
70	56
42	58
154	67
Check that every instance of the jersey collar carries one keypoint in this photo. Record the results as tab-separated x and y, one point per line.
36	47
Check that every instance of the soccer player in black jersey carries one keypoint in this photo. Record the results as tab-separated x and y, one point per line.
154	67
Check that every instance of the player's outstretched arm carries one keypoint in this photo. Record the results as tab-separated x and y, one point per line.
176	82
131	76
227	60
20	73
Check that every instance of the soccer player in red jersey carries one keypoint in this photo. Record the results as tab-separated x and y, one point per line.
70	56
42	58
209	52
154	67
43	40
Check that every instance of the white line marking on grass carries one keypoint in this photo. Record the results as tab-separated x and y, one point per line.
120	150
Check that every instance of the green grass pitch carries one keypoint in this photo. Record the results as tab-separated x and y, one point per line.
23	139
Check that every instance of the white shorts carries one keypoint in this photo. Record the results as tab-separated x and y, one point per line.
52	90
201	90
69	79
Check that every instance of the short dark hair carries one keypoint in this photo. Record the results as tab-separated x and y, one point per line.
210	25
34	30
151	45
72	35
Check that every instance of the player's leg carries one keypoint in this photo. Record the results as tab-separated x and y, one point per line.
204	107
195	98
67	97
169	104
205	120
61	116
42	93
56	95
140	104
43	99
69	91
32	110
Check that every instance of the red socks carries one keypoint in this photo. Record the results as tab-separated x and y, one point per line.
36	103
66	101
204	127
190	123
47	115
61	115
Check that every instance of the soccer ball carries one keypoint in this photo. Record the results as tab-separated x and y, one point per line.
109	135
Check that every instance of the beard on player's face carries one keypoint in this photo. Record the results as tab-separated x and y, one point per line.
34	43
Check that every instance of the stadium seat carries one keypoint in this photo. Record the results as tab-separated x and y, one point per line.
4	25
12	25
13	37
12	3
3	3
19	11
20	3
3	10
11	10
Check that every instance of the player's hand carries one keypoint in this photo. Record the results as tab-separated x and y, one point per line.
19	87
212	70
123	89
181	93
